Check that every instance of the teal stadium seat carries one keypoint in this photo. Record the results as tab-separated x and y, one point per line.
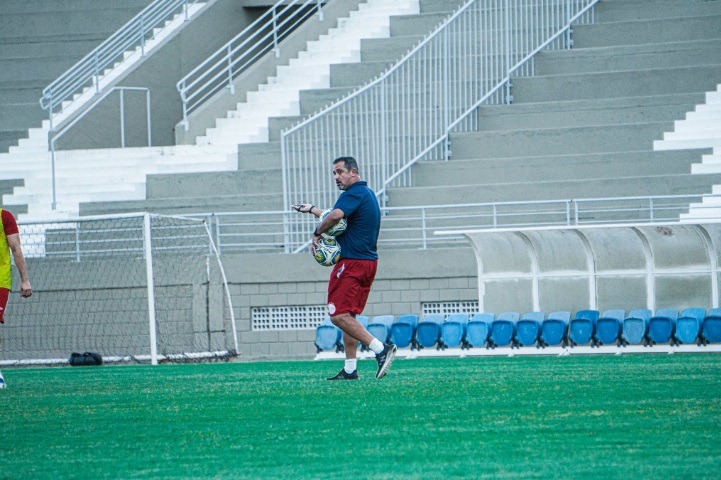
479	329
453	330
503	329
554	329
528	328
635	327
403	330
327	336
582	328
689	325
609	327
662	325
711	332
429	330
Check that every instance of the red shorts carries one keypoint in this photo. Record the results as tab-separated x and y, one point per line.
4	294
349	285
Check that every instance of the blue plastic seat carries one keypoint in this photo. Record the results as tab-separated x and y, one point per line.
528	328
635	326
689	325
554	328
583	327
429	330
662	326
453	330
403	330
479	329
711	332
609	326
503	328
380	327
327	336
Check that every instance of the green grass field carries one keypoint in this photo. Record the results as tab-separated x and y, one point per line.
631	416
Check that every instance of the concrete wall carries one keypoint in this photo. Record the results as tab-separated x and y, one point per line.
107	309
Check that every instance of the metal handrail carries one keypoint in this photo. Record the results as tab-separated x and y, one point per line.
88	71
55	136
262	36
405	114
414	226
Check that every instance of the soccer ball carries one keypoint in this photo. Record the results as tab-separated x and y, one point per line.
327	253
336	229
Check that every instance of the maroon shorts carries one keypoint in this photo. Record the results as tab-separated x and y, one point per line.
349	285
4	294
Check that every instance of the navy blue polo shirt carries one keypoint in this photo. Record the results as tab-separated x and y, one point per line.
361	211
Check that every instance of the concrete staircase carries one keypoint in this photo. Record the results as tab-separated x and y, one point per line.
40	40
58	36
257	183
584	126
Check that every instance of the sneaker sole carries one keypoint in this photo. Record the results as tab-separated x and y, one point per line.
384	369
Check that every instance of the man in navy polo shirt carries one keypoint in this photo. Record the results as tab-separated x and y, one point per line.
352	277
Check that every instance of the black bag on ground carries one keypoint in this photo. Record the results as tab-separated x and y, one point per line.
84	359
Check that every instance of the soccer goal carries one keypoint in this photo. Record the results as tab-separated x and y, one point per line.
133	288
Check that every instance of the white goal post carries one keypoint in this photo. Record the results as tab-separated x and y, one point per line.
134	288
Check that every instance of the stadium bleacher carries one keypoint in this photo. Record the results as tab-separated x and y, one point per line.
583	126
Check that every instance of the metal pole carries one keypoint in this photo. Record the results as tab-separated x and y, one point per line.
147	240
231	86
275	33
147	111
122	118
320	10
77	242
54	203
423	221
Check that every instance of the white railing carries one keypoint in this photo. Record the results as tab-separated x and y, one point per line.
414	227
227	63
87	72
408	113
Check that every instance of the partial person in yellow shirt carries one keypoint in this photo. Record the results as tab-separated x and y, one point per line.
10	243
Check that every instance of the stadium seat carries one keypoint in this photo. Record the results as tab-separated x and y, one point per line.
689	325
479	329
583	327
380	327
528	328
327	336
429	330
503	329
403	330
453	330
609	326
711	331
635	327
662	326
555	328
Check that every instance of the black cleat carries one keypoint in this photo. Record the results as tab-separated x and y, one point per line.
385	359
343	375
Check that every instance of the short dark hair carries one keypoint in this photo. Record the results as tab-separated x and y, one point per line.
349	163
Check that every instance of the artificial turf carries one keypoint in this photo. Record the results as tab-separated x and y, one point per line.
630	416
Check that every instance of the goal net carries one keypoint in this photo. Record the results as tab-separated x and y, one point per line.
140	287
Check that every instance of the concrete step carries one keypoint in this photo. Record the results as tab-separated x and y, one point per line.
629	11
15	51
387	49
632	83
553	167
44	7
199	184
354	74
258	156
403	25
632	57
557	141
189	205
639	32
576	113
444	6
101	21
24	69
555	190
312	101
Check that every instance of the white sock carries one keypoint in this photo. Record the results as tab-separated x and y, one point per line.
376	345
350	365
